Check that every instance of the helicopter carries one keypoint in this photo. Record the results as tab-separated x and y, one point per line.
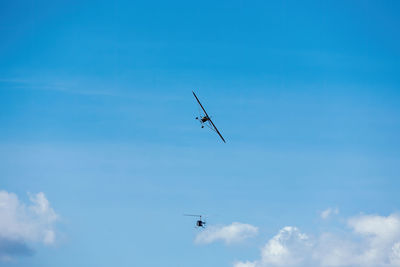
199	222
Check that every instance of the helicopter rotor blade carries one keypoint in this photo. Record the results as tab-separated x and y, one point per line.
193	215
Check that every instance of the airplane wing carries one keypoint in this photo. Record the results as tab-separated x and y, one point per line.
216	130
200	104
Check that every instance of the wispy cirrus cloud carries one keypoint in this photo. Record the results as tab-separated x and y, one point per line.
22	225
325	214
373	240
233	233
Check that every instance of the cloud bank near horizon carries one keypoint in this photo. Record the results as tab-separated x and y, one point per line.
22	225
229	234
373	240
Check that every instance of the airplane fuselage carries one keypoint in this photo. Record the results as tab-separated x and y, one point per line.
204	119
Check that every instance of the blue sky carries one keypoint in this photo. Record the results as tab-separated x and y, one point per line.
97	113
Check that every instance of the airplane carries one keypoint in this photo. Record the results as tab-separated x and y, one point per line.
204	119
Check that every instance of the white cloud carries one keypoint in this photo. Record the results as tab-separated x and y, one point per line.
373	240
21	225
245	264
328	212
285	248
395	255
232	233
379	227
